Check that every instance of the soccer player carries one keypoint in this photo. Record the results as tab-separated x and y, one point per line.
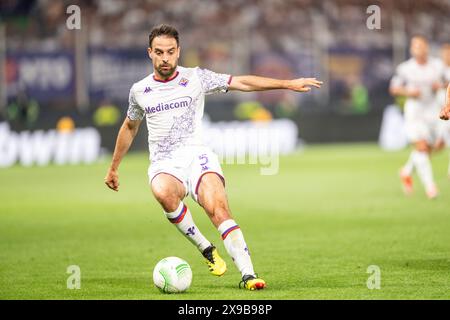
445	112
445	57
444	97
418	79
172	101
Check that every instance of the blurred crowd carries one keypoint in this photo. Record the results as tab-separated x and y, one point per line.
288	25
280	38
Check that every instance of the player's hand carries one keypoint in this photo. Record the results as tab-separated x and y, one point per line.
112	179
436	86
304	84
445	113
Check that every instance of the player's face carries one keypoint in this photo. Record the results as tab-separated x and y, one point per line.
419	48
165	54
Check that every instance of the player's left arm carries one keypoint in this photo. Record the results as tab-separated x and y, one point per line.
445	112
256	83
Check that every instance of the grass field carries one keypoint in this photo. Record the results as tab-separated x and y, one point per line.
313	230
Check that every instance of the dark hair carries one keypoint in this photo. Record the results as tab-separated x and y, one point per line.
163	30
420	36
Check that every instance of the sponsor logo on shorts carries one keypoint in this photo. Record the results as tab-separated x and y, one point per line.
182	102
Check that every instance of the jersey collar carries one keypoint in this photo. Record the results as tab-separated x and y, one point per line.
167	80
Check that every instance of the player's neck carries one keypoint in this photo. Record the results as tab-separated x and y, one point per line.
422	61
160	78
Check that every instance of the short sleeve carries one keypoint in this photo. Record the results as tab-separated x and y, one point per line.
213	82
135	112
398	79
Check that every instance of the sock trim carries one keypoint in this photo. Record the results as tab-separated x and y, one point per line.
229	230
180	217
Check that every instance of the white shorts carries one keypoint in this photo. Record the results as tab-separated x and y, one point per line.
188	165
422	130
423	123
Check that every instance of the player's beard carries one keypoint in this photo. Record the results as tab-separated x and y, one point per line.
166	73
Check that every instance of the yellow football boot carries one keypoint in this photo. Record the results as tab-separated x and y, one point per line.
216	264
251	282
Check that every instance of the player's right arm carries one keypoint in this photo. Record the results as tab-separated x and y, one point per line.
445	112
126	135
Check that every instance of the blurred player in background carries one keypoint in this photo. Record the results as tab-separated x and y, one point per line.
444	96
172	101
419	79
445	112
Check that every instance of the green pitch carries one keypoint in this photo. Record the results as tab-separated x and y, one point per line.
313	230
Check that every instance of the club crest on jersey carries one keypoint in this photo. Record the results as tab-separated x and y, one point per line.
147	89
183	82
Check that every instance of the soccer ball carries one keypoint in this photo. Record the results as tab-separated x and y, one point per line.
172	275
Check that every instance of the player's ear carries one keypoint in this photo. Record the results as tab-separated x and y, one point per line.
178	52
149	51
